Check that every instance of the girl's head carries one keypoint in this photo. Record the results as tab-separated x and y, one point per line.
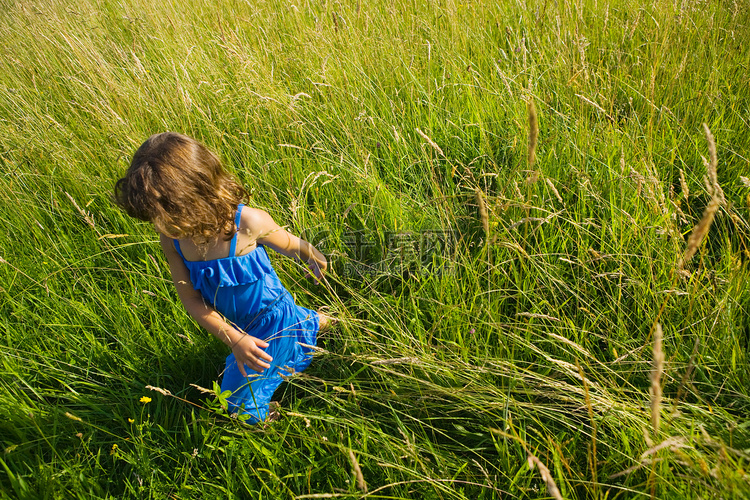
178	185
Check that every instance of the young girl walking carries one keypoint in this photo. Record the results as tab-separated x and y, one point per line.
216	250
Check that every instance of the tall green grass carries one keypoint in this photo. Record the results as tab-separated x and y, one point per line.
533	344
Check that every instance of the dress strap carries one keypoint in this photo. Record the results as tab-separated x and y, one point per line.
177	247
233	244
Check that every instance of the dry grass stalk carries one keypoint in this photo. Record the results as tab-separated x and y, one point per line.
699	232
537	316
683	185
552	488
717	199
638	179
504	78
86	215
395	361
431	142
554	189
111	236
655	392
673	442
533	461
163	392
533	132
656	373
361	485
202	390
483	213
185	337
313	347
712	186
595	105
712	165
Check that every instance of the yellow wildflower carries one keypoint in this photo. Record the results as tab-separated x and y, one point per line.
145	399
114	449
131	420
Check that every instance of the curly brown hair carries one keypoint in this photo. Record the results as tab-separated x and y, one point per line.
180	186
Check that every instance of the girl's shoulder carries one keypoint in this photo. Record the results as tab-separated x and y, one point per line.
251	215
256	222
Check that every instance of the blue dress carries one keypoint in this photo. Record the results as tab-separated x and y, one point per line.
247	292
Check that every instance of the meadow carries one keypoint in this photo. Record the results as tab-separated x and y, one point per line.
506	192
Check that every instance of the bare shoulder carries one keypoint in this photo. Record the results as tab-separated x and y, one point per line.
256	222
180	273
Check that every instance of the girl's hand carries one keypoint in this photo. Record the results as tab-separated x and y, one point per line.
249	351
317	267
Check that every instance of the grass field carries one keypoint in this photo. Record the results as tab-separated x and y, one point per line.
510	326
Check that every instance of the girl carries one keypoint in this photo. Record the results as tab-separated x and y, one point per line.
216	250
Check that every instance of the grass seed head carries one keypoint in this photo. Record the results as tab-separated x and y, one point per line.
712	166
552	488
202	390
533	133
163	392
699	232
431	142
684	185
86	215
361	484
483	213
553	189
717	199
656	373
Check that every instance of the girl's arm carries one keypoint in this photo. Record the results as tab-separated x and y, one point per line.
246	348
265	231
